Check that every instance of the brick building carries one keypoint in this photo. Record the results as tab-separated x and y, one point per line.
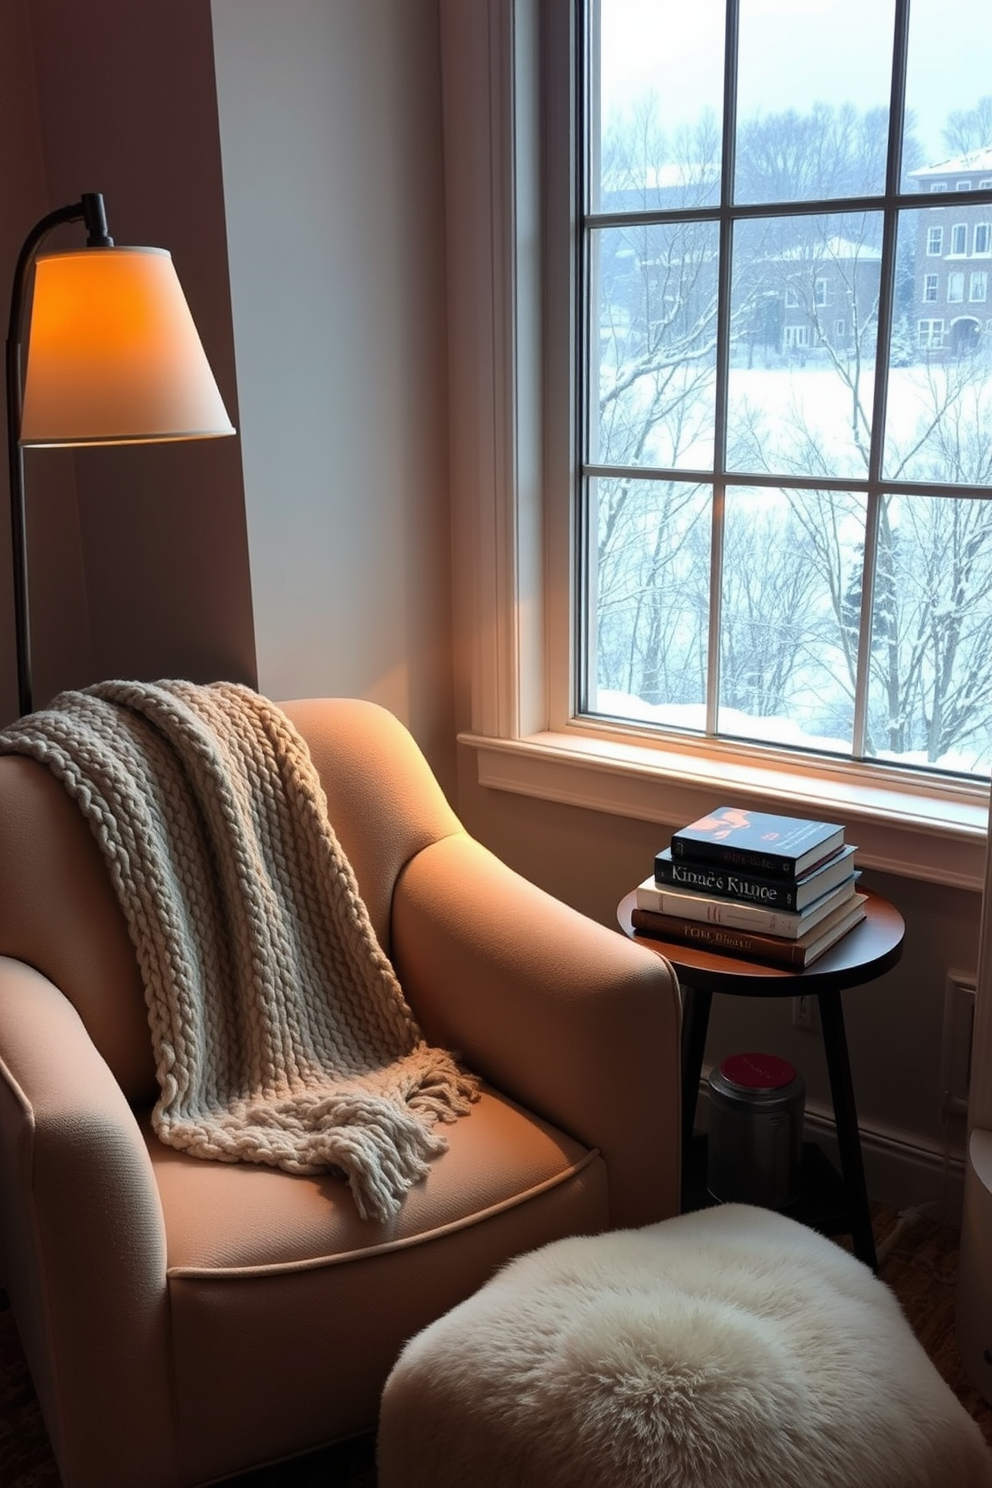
952	307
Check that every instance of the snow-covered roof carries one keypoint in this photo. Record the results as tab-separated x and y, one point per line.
960	165
833	248
669	177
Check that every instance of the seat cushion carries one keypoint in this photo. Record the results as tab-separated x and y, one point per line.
288	1311
227	1218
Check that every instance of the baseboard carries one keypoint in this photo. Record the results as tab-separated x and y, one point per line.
901	1170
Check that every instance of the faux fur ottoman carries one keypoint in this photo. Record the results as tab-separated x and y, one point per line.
728	1349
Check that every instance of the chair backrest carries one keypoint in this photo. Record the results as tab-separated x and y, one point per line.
59	912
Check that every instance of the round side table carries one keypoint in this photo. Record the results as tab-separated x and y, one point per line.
865	952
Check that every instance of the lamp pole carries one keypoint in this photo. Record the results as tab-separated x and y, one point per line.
88	209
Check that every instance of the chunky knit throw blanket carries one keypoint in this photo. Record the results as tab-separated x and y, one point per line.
280	1031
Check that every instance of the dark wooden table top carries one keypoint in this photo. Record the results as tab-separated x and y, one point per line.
865	952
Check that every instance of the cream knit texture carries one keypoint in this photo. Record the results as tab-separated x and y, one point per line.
280	1031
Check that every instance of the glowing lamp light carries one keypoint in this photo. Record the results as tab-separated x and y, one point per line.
113	354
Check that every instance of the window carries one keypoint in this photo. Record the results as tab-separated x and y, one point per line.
979	287
761	558
509	108
930	334
963	186
983	239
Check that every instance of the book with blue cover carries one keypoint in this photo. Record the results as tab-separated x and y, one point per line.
757	842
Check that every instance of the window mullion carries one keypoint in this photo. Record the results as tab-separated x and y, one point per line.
714	648
863	669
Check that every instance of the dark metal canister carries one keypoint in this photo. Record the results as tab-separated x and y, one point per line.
754	1153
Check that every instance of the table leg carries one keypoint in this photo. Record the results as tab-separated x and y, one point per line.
846	1118
695	1021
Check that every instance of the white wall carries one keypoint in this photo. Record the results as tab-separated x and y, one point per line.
331	147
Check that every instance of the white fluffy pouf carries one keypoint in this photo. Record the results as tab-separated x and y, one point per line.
733	1348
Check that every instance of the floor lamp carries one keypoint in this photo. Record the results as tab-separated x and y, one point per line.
113	357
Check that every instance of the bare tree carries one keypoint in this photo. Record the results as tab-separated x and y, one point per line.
791	581
967	130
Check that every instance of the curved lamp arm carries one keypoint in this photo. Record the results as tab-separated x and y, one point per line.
88	209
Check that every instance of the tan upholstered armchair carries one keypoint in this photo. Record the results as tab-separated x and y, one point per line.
186	1319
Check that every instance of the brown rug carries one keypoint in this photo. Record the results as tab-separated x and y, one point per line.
921	1268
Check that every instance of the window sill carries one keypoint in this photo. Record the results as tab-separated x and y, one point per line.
903	826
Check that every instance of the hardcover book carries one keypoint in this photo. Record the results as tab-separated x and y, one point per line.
749	945
790	924
770	893
757	842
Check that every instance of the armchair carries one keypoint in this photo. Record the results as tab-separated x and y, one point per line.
185	1319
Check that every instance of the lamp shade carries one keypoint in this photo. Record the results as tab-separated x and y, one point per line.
113	355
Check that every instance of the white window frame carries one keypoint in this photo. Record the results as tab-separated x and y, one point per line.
930	334
935	242
931	289
510	408
955	287
985	230
978	289
959	240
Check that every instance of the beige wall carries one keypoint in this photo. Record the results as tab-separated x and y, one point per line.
330	131
592	859
290	158
139	568
58	582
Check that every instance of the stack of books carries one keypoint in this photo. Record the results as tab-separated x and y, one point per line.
769	888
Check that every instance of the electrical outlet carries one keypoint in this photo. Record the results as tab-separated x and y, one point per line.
804	1013
955	1062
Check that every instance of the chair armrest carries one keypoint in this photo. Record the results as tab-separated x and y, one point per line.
82	1241
572	1020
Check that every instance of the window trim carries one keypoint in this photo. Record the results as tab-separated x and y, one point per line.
930	333
900	826
510	467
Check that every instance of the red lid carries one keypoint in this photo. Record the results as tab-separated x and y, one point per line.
757	1071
